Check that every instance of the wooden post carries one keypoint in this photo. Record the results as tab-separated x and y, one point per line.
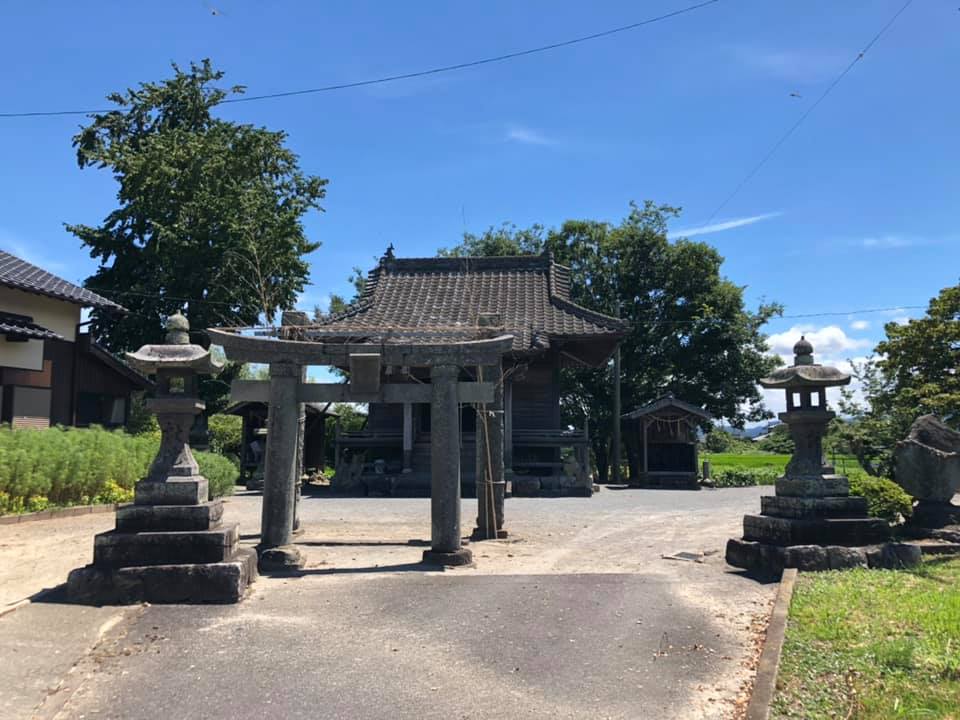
645	464
407	437
508	429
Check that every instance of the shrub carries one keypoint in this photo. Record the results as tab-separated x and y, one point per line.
885	499
744	477
220	471
226	434
74	466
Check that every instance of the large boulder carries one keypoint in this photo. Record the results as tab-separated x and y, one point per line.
928	461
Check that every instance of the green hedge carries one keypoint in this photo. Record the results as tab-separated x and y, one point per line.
82	466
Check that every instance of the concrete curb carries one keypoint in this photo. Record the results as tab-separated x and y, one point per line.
766	683
56	513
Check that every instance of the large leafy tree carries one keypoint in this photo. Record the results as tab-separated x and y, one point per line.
690	332
915	372
209	211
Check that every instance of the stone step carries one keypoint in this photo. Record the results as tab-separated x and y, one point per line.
826	531
141	518
116	549
186	491
221	582
820	486
807	507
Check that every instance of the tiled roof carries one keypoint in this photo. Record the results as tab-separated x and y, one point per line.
427	298
20	274
24	327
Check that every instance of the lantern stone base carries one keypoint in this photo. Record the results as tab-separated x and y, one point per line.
820	531
767	559
219	582
166	552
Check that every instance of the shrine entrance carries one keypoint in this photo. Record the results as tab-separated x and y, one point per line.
379	372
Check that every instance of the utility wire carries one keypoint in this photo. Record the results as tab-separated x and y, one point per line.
793	128
419	73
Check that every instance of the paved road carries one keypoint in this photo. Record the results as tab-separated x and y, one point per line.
576	615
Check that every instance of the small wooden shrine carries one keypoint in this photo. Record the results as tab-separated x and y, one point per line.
661	440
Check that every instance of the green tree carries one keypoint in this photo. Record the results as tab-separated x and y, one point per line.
690	332
209	212
913	374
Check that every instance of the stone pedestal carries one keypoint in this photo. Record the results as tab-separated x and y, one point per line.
169	545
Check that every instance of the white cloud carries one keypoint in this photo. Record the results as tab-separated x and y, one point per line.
721	226
860	324
891	242
801	66
829	341
527	136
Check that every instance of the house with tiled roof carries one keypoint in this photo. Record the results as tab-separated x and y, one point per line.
463	298
50	372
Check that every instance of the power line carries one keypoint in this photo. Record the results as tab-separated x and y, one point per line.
419	73
793	128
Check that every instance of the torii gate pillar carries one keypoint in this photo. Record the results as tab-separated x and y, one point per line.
280	482
445	544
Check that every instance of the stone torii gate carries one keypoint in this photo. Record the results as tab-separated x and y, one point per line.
286	391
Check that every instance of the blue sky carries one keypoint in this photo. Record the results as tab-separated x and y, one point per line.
857	210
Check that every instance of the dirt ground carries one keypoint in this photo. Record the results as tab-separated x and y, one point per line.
362	547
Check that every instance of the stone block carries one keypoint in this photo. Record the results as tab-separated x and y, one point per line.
462	556
119	549
894	556
223	582
285	558
928	461
828	531
182	491
526	486
821	486
810	558
811	507
845	558
759	558
140	518
929	514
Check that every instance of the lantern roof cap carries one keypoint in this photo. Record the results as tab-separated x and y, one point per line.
805	372
177	353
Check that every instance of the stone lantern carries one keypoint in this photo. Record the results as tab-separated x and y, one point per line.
812	522
169	544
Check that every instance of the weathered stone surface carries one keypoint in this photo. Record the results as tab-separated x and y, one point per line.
119	549
827	531
820	486
927	514
809	507
525	486
140	518
894	556
928	461
845	558
810	558
461	556
223	582
182	491
284	558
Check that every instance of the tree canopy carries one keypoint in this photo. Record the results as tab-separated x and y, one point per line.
209	211
915	372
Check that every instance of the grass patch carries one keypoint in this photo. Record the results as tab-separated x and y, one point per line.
873	645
